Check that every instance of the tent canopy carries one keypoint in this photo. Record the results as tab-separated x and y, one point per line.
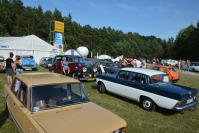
104	57
27	45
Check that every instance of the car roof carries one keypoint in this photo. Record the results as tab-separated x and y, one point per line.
145	71
43	78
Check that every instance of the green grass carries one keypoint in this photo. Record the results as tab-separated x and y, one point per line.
138	120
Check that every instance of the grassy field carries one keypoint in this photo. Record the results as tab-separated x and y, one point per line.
138	120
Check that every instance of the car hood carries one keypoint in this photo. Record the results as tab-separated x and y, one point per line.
87	117
174	74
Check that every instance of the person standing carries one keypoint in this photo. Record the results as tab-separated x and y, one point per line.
10	68
18	64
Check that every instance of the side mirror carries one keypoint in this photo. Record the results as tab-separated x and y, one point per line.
88	95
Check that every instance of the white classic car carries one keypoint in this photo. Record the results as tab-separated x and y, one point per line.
149	87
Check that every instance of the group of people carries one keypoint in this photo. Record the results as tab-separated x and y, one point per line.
184	65
140	63
13	67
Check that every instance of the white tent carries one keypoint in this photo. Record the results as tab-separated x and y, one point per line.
27	45
104	57
72	52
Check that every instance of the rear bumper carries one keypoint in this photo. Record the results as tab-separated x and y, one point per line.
186	106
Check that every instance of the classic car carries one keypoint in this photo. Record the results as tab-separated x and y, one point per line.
78	69
2	64
194	66
53	103
169	62
46	62
106	67
170	71
28	62
150	88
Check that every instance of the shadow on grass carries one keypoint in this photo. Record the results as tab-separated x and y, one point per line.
3	117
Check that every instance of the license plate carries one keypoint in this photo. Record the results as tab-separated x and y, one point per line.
28	68
190	100
91	79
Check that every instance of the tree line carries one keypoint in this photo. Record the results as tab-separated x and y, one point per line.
18	20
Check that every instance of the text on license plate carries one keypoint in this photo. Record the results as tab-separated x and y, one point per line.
190	100
28	68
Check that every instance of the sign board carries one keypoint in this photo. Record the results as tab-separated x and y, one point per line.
59	26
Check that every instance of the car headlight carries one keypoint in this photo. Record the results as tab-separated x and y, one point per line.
94	69
84	69
121	130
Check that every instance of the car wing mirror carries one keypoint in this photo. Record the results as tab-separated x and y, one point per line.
88	95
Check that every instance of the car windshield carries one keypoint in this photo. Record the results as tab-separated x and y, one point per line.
111	64
1	59
159	78
172	70
27	56
57	95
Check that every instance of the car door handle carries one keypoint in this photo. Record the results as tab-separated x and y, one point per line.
14	105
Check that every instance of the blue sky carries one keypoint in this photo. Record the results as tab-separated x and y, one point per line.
160	18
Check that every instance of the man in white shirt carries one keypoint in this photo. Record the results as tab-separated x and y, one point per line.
138	63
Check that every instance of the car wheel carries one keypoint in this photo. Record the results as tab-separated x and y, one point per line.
148	104
75	76
193	70
102	88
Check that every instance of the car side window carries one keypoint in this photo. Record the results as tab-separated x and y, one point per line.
20	91
16	86
23	94
123	75
137	77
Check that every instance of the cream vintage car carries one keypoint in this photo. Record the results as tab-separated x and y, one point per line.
54	103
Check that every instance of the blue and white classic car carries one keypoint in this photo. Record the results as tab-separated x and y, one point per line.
149	87
28	62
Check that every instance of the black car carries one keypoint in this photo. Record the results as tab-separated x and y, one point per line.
108	66
46	62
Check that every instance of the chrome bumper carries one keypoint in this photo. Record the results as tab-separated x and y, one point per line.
180	108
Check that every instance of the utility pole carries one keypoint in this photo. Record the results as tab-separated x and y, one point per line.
51	35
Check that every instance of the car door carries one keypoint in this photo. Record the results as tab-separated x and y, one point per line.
19	106
137	84
119	84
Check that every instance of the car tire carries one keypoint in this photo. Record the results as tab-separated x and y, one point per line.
75	76
102	88
193	70
148	104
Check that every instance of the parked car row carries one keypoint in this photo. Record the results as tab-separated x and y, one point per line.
51	102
